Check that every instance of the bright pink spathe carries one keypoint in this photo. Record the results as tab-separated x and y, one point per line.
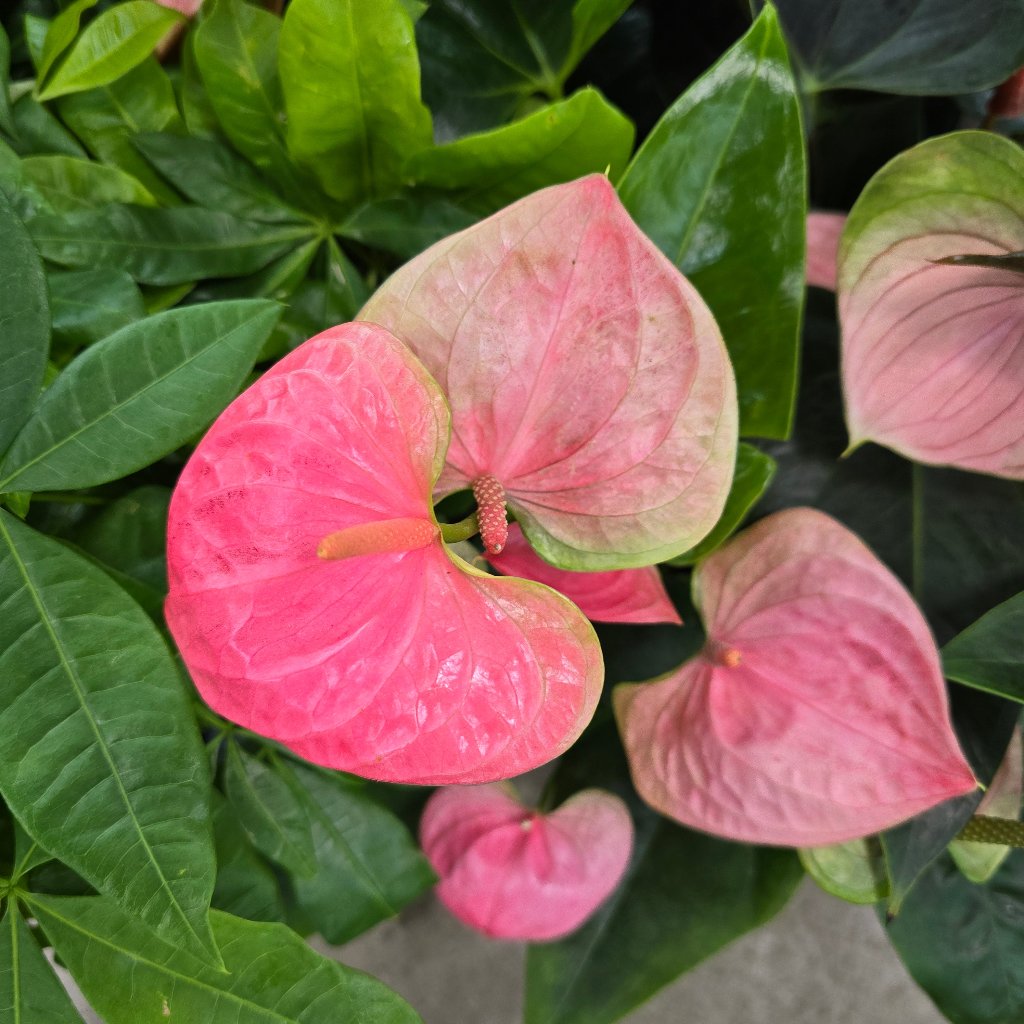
816	712
585	375
625	595
314	602
515	873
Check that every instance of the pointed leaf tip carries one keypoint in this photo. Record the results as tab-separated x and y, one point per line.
817	712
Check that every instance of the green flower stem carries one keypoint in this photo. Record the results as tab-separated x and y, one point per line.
452	533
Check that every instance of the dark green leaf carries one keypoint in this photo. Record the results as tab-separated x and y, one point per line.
581	135
989	654
29	990
351	81
590	20
196	106
277	280
271	977
61	34
24	324
38	131
684	897
87	305
6	116
405	224
926	47
137	395
69	183
118	40
106	118
720	186
210	174
275	822
961	942
36	29
754	472
99	755
28	854
346	290
158	246
368	866
246	887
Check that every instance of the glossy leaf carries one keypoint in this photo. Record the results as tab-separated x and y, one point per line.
25	315
854	871
514	873
367	866
266	809
931	359
754	472
817	711
270	973
989	655
351	81
933	47
29	990
158	246
132	815
823	233
118	40
961	942
405	224
581	135
69	183
110	412
684	897
60	35
627	595
87	305
211	175
267	626
600	321
720	187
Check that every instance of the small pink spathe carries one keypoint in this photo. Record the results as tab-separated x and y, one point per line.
514	873
624	595
816	712
823	233
400	662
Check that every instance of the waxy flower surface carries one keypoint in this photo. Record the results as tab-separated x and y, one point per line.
314	601
816	711
585	375
515	873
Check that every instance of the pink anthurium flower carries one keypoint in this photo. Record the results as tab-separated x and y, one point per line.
589	385
933	364
515	873
314	601
816	712
823	233
626	595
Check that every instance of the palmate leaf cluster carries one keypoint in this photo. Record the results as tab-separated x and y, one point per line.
169	227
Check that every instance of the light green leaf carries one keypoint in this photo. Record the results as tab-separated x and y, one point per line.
24	324
720	186
30	992
351	81
405	224
158	246
196	106
989	655
853	871
69	183
137	395
582	135
36	29
368	866
272	976
87	305
99	754
118	40
60	35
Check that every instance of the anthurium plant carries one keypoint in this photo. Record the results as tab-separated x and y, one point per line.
400	397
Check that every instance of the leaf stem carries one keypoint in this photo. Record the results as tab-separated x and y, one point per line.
452	533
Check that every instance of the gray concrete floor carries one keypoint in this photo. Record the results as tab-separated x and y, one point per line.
821	961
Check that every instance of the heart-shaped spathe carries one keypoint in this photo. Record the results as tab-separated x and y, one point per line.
514	873
816	711
314	602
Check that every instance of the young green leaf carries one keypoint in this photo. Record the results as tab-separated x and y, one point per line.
351	81
854	871
989	655
25	316
137	395
60	34
118	40
99	754
271	974
720	187
29	990
69	184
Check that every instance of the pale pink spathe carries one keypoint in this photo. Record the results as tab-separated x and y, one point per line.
824	231
514	873
406	666
817	711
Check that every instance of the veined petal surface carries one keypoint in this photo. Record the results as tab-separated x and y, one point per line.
400	665
515	873
816	712
622	595
584	373
933	354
